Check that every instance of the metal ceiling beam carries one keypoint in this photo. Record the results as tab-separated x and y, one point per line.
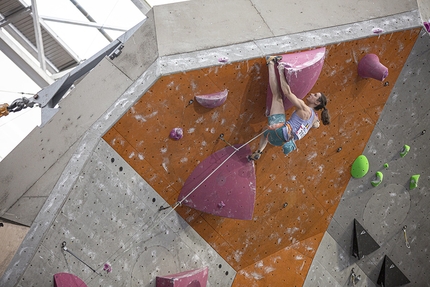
38	35
79	23
24	62
28	46
20	14
91	19
142	5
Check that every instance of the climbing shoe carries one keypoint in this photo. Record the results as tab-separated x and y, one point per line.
255	156
275	59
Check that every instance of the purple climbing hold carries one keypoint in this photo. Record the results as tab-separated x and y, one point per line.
370	67
214	100
107	268
176	134
377	30
427	26
223	59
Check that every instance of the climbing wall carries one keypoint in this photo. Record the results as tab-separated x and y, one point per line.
296	195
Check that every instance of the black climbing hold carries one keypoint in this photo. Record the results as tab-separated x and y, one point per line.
190	102
339	149
112	160
120	168
363	243
423	132
386	83
285	204
221	136
390	274
153	199
1	224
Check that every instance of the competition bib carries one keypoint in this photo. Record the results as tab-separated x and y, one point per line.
302	131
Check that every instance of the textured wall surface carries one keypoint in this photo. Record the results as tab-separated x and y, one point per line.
385	210
311	180
105	202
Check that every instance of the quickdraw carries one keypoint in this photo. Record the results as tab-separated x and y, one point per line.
406	237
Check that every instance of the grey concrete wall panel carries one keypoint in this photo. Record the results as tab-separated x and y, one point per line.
64	185
213	24
177	33
332	267
289	17
25	210
336	34
112	215
385	212
385	209
178	63
424	7
140	50
52	94
44	146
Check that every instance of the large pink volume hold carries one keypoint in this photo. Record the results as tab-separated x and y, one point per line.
302	70
68	280
212	100
192	278
224	184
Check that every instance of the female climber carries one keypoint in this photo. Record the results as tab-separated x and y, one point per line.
281	132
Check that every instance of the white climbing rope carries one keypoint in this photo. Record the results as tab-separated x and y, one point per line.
406	237
179	203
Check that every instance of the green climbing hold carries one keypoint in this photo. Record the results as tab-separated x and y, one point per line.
414	181
404	150
378	180
360	166
386	165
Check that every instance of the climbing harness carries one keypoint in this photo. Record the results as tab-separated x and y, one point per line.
406	237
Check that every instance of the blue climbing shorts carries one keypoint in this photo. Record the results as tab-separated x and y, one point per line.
276	137
289	146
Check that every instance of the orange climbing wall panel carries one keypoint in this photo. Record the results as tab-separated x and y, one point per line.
296	195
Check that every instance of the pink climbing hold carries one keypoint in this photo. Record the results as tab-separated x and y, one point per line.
302	70
192	278
176	134
225	177
370	67
212	100
377	30
223	59
68	280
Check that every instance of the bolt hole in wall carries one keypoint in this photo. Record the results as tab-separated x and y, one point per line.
355	105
